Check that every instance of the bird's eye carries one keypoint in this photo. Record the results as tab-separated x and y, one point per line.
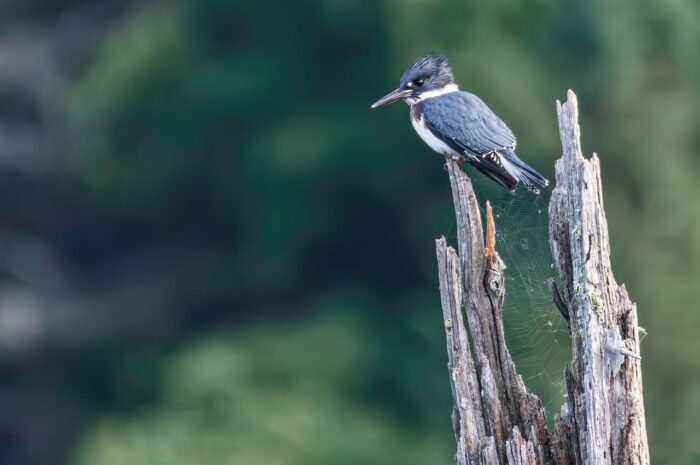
419	82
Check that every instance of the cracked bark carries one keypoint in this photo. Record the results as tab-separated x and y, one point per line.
496	420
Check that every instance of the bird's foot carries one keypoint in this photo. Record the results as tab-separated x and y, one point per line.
456	158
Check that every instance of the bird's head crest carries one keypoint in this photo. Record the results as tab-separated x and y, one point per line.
427	73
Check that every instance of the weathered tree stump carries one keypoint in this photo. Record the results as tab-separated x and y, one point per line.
495	419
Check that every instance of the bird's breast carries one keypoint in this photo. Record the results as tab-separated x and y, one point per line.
419	124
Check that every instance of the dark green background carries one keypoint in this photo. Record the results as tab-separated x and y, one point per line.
213	252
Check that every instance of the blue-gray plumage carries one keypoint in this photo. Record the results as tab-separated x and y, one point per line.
459	124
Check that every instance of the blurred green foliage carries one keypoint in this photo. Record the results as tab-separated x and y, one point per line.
233	139
290	394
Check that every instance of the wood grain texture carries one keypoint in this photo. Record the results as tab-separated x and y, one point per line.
605	384
493	415
495	419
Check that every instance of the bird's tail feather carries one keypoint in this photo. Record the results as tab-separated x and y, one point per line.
524	173
495	172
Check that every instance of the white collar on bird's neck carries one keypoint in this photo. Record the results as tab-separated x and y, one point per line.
448	89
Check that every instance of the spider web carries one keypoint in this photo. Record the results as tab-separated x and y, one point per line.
536	333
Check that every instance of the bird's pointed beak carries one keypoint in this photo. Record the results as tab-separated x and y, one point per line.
391	97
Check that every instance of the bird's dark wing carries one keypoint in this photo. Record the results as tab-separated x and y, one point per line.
465	120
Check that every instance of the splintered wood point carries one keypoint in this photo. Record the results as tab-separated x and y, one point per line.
490	231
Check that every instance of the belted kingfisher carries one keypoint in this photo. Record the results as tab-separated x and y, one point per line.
459	125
